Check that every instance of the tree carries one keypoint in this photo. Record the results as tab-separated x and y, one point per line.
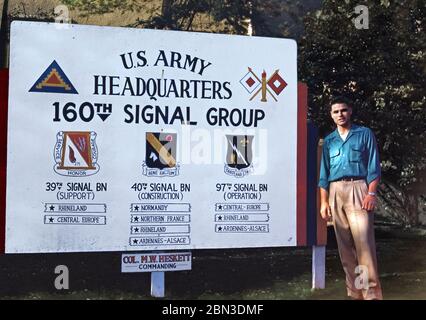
226	16
383	69
272	18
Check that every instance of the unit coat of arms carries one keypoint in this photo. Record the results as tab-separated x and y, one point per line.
160	155
239	156
76	153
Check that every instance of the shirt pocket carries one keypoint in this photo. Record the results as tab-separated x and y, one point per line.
355	154
334	156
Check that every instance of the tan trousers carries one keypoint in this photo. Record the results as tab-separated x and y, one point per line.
354	228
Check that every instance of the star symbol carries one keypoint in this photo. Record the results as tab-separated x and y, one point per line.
136	208
220	218
135	219
51	219
219	229
220	207
52	207
136	229
135	241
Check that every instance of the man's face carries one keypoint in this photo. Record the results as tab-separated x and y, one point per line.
341	114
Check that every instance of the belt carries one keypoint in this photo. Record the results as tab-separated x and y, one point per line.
350	179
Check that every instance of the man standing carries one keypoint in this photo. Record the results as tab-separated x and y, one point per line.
349	176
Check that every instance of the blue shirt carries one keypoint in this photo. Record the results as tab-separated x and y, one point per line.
357	156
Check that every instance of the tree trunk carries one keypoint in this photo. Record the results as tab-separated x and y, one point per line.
166	9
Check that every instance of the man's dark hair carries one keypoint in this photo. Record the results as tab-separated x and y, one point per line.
341	99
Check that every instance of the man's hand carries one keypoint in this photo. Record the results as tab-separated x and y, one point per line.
369	202
325	211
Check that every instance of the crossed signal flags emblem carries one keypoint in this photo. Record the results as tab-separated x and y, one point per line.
274	85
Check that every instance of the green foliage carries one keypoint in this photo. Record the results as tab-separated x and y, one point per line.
383	69
98	6
228	16
222	16
268	17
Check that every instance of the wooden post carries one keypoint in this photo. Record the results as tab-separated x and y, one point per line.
157	285
4	83
319	247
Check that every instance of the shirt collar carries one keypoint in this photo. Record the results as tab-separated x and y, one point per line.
354	128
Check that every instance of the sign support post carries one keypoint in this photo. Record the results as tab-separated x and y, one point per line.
156	263
316	227
319	246
157	285
318	267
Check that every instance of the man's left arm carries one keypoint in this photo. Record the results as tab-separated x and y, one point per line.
373	172
370	200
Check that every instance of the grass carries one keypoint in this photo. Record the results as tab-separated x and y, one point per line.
255	274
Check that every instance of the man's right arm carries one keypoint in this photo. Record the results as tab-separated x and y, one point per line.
323	183
325	206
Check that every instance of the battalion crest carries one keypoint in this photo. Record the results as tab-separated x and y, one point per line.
239	156
76	153
160	155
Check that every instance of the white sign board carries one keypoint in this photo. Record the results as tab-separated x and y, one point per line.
156	262
128	139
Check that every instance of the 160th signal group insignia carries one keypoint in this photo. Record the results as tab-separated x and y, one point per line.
76	153
254	85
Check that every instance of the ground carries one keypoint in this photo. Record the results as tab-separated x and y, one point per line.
261	273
